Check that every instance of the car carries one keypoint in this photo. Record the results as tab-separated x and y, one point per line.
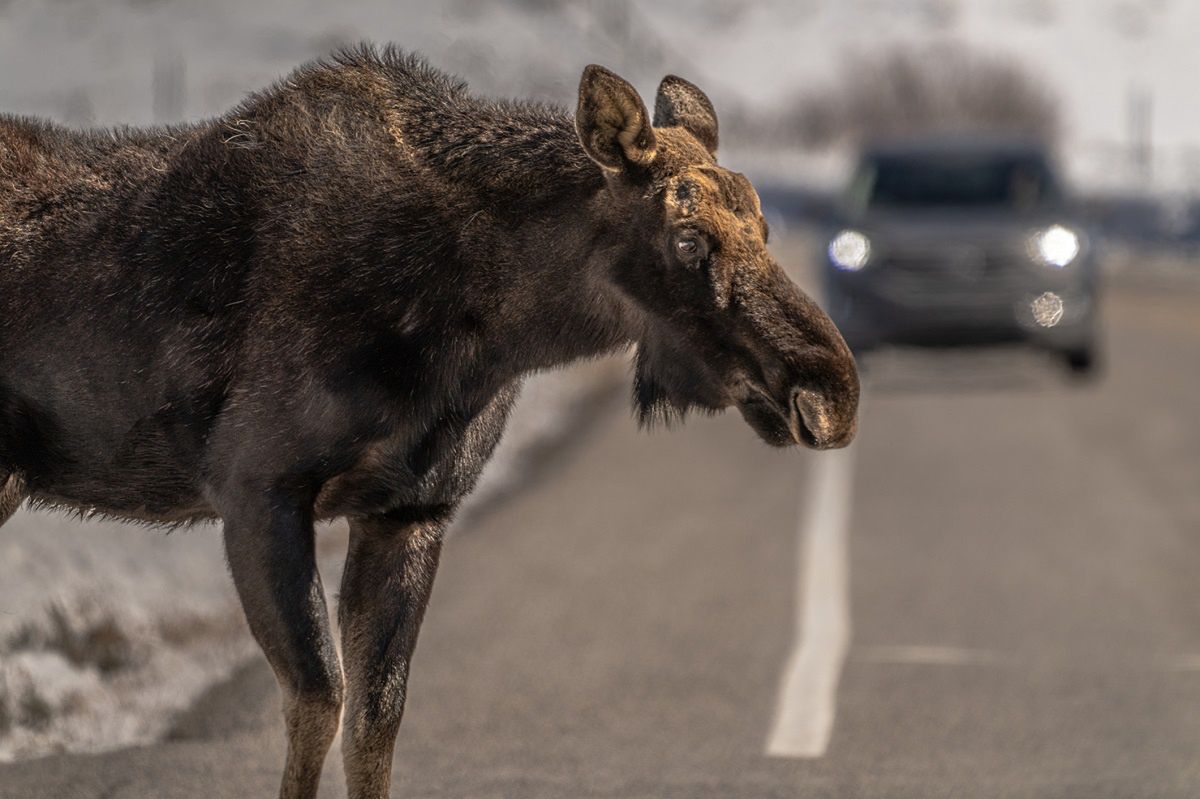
965	240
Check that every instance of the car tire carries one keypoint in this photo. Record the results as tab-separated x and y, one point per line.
1082	363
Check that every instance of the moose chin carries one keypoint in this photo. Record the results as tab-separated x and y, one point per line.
322	304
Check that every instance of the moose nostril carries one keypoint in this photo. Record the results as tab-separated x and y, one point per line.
814	411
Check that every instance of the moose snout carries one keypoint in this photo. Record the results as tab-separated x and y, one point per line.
802	385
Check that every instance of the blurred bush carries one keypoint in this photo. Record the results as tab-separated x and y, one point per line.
938	88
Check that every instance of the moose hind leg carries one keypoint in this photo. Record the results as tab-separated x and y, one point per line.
270	545
12	493
388	578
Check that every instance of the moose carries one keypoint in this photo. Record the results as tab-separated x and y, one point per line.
322	305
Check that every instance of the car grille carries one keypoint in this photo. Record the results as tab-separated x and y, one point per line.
966	276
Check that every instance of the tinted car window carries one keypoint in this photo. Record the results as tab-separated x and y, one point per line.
1019	182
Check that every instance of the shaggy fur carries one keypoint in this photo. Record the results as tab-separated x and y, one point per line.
322	304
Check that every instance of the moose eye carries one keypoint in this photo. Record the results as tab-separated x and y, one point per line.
691	246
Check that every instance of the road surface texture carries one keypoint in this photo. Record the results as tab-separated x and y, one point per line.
1007	561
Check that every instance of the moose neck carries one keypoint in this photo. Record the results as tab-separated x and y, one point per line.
559	302
540	233
504	154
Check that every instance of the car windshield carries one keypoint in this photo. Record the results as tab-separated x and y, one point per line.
1019	181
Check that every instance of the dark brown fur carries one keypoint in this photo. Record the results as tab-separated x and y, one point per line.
322	304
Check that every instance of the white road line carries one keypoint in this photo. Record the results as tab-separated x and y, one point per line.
1184	663
807	701
928	656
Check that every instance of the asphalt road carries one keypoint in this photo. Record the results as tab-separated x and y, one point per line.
1005	591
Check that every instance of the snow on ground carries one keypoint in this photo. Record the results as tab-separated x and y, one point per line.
106	629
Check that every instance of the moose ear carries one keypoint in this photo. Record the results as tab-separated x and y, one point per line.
612	122
682	104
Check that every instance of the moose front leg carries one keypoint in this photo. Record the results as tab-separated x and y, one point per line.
389	575
270	547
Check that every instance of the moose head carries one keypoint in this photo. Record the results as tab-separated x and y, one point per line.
720	323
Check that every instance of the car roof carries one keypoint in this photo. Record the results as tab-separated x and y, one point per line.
957	144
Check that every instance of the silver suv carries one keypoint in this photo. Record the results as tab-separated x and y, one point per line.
962	241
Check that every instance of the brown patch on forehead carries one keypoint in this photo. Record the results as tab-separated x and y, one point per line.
694	187
710	192
735	191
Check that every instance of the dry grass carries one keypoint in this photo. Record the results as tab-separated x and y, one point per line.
186	630
21	705
82	635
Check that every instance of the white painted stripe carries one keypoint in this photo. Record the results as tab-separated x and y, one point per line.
1184	663
928	656
807	701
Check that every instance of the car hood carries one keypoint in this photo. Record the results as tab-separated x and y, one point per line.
933	227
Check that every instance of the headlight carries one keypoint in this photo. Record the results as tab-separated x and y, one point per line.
1055	246
850	250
